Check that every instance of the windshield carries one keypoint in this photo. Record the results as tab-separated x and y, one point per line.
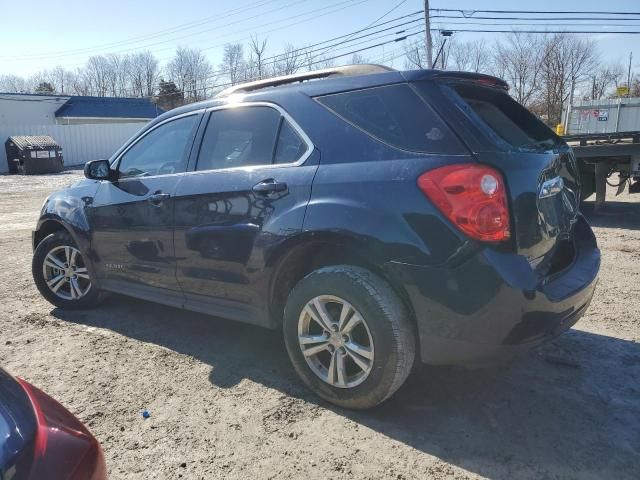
506	119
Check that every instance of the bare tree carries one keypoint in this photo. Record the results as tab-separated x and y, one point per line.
470	56
151	69
603	78
256	68
566	63
143	73
36	80
117	74
315	61
80	84
635	88
233	65
61	79
288	62
12	84
416	56
357	58
191	72
518	61
97	75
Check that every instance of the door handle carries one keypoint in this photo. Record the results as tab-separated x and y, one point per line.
269	186
157	198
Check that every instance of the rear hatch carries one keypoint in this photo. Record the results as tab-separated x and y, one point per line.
538	166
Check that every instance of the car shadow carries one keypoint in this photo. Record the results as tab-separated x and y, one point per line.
557	412
625	215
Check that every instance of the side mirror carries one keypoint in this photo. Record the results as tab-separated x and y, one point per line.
98	170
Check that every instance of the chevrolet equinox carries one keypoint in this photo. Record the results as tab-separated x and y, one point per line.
378	217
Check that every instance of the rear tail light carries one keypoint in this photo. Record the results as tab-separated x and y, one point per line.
473	197
63	447
40	446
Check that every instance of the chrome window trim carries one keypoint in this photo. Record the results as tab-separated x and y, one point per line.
116	163
305	138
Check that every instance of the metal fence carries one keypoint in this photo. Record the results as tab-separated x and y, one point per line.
80	143
604	116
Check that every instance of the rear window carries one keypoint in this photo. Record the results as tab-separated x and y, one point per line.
395	115
505	118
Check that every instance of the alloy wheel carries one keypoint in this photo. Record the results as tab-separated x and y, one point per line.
65	273
335	341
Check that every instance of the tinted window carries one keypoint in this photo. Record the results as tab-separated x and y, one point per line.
239	137
506	118
162	151
290	146
396	115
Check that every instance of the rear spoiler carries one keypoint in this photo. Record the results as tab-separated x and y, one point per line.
457	77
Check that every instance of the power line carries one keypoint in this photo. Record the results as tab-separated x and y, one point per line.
348	34
537	18
305	51
146	46
213	87
157	33
546	12
398	5
314	17
373	33
309	48
537	25
635	32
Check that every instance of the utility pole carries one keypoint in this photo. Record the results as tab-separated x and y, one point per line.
569	107
427	31
629	75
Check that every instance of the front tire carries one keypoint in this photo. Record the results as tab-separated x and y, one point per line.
349	336
61	274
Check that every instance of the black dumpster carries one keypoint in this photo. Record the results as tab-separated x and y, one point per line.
29	154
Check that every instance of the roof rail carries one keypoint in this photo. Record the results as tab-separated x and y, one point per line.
347	70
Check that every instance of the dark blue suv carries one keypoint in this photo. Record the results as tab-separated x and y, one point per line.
379	217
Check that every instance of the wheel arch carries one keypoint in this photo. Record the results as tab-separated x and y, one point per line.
51	224
48	226
313	251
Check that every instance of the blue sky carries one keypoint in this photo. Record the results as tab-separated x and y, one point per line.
39	36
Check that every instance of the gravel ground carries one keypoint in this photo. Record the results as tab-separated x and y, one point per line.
225	403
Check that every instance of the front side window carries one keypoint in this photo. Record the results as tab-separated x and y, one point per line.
249	136
160	152
396	115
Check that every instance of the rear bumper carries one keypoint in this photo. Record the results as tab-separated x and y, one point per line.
494	305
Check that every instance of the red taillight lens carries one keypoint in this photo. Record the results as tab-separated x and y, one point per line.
63	448
472	196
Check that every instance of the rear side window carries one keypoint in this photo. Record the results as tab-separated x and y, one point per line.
249	136
506	118
290	146
396	115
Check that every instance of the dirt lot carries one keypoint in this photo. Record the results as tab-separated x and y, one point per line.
225	403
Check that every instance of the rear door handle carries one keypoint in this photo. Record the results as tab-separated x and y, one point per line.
269	186
157	198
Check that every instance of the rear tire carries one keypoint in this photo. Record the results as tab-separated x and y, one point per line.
349	336
61	275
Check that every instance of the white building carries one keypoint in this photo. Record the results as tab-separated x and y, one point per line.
86	127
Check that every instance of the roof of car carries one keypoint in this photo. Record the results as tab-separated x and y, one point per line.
318	83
